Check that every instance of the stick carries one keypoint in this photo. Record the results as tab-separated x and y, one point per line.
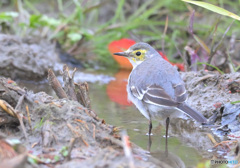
56	85
70	148
69	87
29	118
82	94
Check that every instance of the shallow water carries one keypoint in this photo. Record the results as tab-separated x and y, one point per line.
129	118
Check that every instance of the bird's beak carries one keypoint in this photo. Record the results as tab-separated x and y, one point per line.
125	54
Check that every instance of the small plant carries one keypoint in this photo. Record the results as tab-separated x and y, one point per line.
64	151
40	124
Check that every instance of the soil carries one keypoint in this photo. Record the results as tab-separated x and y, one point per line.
56	123
216	96
209	91
27	59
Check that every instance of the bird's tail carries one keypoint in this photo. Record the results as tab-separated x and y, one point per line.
192	113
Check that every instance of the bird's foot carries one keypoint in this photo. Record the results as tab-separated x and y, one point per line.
148	134
164	136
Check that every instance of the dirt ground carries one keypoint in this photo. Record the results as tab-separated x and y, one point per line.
27	59
58	125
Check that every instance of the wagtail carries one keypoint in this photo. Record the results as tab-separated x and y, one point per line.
155	86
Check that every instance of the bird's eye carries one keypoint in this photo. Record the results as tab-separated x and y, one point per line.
138	53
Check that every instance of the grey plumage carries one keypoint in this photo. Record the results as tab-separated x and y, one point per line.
160	84
159	73
192	113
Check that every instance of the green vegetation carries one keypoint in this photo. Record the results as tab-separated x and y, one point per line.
64	151
85	28
235	102
204	63
40	124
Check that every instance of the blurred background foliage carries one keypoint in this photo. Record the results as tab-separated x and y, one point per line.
84	28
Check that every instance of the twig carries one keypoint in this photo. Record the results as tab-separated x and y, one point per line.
112	140
85	124
7	108
82	94
29	118
20	118
127	148
69	83
92	114
46	131
203	78
70	148
85	143
76	134
19	103
34	144
94	131
20	115
56	85
212	139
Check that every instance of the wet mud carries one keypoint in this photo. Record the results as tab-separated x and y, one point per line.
209	91
62	133
216	96
27	59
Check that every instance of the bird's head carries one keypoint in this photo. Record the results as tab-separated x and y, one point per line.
138	52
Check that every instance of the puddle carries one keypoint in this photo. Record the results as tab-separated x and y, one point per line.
129	118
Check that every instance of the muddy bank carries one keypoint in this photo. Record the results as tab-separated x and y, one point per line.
209	91
27	59
217	97
63	133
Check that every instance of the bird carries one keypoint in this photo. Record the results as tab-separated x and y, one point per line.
156	87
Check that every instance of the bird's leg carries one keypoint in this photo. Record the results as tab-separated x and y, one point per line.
149	135
166	145
150	127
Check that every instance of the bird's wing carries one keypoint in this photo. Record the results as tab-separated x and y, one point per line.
157	82
156	95
180	92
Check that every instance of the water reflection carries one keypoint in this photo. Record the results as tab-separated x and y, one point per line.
166	158
116	89
169	160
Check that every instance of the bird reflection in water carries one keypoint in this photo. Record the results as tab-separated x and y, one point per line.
167	159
